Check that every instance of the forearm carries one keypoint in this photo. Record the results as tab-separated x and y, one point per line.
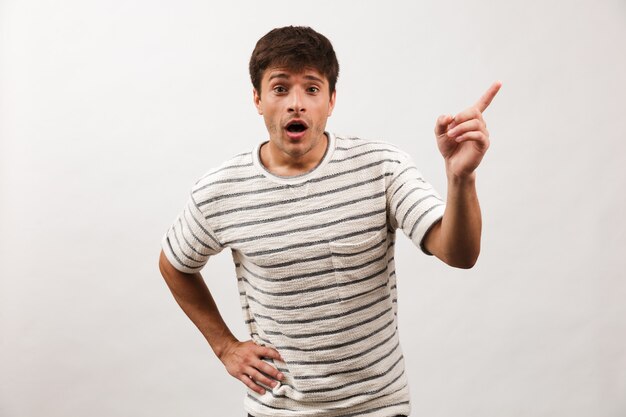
462	141
195	299
460	228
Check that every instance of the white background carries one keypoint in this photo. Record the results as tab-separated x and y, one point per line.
110	110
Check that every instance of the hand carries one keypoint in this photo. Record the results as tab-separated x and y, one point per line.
243	361
463	139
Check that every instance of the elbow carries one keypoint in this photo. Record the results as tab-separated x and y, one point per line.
469	264
463	261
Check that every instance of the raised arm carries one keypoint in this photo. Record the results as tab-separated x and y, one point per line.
463	140
243	360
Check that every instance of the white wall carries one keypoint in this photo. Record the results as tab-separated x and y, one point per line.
111	109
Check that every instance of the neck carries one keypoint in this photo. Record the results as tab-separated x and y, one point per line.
283	163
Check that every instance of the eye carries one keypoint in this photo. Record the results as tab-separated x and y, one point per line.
313	90
279	89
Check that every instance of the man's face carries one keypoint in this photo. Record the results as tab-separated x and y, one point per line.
295	106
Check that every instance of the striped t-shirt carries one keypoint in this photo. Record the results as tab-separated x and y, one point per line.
314	258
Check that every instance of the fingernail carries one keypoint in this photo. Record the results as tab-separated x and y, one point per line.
281	376
451	132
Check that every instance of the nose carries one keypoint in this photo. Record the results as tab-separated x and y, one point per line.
297	101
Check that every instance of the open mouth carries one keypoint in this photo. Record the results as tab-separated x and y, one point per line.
296	126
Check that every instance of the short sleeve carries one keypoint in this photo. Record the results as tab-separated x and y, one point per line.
413	204
190	242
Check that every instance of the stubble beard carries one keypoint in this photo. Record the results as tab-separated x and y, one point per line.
296	152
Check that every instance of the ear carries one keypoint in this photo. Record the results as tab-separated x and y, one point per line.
256	97
331	106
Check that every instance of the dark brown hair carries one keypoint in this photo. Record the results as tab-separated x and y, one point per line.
294	48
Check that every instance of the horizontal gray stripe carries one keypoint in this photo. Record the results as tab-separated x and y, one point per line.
370	393
360	413
373	392
351	138
329	317
360	381
318	288
251	192
346	358
419	219
328	332
335	346
314	243
300	213
315	273
374	246
282	187
241	154
306	228
349	371
256	400
353	170
227	181
326	256
363	153
368	142
298	261
410	209
373	410
346	385
292	200
289	278
287	293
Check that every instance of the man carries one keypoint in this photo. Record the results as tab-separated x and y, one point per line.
310	218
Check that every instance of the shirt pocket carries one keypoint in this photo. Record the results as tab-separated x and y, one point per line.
360	266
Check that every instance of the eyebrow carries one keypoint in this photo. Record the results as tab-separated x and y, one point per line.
286	76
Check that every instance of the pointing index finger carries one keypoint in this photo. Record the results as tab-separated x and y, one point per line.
486	98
